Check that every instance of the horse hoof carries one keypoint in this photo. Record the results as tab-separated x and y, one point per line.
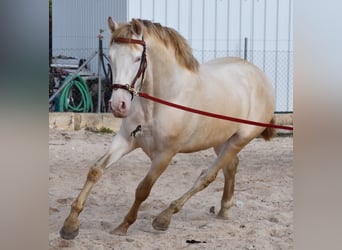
160	225
119	232
220	217
223	215
68	235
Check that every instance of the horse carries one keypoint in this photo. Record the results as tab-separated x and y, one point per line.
148	57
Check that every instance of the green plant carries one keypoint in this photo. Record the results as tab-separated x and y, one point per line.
103	130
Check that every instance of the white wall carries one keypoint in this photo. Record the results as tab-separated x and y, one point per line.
76	25
214	28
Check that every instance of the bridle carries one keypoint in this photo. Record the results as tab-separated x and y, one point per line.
141	71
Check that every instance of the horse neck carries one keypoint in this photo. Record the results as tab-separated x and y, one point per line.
164	79
165	76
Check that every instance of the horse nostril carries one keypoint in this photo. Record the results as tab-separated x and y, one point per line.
123	105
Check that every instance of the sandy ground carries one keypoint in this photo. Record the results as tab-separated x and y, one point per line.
261	217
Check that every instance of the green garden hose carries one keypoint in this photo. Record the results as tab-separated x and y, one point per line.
65	102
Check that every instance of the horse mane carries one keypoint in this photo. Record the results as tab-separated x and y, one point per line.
168	36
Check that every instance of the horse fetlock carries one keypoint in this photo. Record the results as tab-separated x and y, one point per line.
225	206
174	207
76	208
94	174
130	218
205	181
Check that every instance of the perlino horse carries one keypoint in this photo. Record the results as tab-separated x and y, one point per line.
157	60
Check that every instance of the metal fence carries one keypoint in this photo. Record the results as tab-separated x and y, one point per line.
278	66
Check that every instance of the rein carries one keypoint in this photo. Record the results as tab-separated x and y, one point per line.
141	72
205	113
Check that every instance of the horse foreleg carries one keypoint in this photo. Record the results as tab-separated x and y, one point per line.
71	224
229	172
227	154
158	166
118	148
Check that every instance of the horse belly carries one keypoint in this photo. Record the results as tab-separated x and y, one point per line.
208	134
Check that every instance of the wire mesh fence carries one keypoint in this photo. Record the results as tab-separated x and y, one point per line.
277	65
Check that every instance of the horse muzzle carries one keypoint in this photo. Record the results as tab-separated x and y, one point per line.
120	110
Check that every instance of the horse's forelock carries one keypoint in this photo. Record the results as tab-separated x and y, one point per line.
124	30
168	36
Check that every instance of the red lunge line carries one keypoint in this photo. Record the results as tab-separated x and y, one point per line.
200	112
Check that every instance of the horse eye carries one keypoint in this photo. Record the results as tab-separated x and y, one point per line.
137	59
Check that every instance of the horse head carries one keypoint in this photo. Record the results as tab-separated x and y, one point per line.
128	60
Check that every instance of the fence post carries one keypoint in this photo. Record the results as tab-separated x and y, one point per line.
245	49
99	94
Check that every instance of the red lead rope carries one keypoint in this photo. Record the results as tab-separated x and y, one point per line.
200	112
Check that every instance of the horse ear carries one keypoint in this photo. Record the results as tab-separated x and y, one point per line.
136	27
112	24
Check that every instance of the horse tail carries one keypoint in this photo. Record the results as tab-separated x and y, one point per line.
268	133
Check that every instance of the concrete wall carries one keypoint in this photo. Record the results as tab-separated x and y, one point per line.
76	121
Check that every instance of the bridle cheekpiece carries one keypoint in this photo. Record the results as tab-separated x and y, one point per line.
141	72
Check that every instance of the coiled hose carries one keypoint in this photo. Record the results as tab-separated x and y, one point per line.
67	102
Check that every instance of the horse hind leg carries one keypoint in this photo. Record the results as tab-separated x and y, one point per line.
227	154
229	172
162	221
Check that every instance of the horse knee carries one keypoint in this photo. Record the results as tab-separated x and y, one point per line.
175	207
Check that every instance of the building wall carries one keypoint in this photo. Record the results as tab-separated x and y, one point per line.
214	28
77	23
217	28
